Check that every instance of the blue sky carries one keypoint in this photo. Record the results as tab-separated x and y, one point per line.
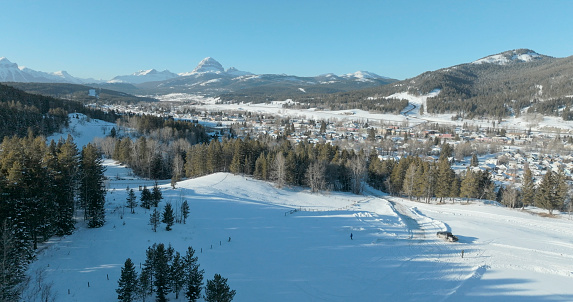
398	39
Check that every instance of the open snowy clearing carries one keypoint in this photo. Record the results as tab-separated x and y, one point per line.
307	255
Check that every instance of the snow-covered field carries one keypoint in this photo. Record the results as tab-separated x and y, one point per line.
276	254
308	255
410	117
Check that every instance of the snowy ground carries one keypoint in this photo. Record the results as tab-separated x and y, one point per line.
308	255
410	115
277	254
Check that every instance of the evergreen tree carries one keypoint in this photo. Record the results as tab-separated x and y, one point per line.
154	220
146	276
470	185
217	290
445	183
545	197
13	263
146	198
156	195
177	274
409	180
161	273
561	189
131	201
168	217
527	188
185	210
193	276
92	190
474	161
127	289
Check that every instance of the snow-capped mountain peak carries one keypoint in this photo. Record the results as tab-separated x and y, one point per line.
511	56
5	63
209	65
363	76
237	73
142	76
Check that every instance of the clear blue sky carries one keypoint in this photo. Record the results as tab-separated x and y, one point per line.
398	39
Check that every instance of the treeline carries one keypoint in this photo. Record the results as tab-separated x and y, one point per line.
160	148
39	186
423	180
166	271
550	194
21	112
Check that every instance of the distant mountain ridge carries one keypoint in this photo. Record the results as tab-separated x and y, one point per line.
209	77
11	72
509	83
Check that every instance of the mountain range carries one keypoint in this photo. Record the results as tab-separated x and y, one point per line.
209	78
510	83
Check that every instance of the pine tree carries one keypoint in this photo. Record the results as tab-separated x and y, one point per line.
146	198
193	276
185	210
527	188
474	161
217	290
469	186
177	274
545	197
156	195
13	263
561	189
146	276
131	201
168	217
154	220
409	180
127	289
161	273
445	179
92	190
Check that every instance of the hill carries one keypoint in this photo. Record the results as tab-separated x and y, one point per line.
81	93
506	84
290	245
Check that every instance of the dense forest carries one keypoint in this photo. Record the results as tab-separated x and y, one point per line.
43	184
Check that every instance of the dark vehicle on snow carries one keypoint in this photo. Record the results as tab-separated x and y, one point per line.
448	236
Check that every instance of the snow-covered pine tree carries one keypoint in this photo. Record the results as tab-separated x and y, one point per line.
217	290
127	283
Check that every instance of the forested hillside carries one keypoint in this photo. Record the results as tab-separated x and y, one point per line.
21	111
81	94
42	184
542	85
